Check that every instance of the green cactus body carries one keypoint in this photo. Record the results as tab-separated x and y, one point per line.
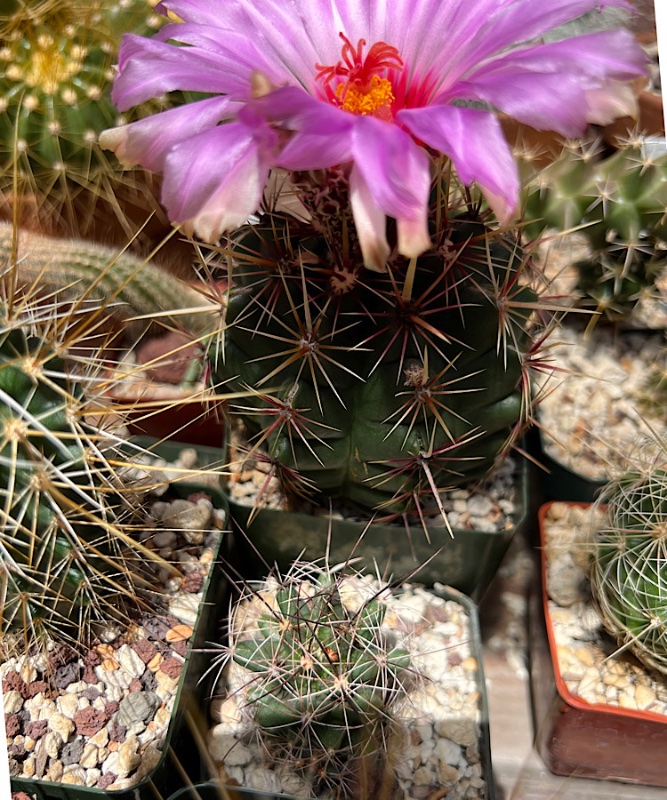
621	202
323	677
69	557
364	393
629	566
56	73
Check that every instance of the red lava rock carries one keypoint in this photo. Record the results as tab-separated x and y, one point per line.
193	582
172	667
20	796
14	682
111	707
180	648
135	685
88	721
60	655
198	496
68	673
12	725
88	675
35	687
106	780
145	650
36	729
117	732
454	659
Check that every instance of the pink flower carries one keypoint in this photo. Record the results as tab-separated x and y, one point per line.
380	85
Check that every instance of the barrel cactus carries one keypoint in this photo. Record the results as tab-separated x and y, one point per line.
629	565
378	388
316	674
70	555
619	203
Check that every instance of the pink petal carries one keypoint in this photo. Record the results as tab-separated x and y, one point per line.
545	86
148	141
474	140
149	68
370	224
395	169
214	181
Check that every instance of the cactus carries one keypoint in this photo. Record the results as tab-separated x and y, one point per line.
70	557
319	679
56	67
620	202
629	564
122	286
378	388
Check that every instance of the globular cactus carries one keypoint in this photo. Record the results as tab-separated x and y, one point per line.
70	553
57	63
378	388
321	675
620	202
57	66
629	565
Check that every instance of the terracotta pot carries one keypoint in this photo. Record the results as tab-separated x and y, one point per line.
580	739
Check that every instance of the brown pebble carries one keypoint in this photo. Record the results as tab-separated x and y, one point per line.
104	651
36	729
106	780
14	682
89	721
180	648
145	650
172	667
193	582
12	725
178	633
37	687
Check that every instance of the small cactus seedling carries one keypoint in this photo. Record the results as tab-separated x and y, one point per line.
319	678
629	564
620	205
378	388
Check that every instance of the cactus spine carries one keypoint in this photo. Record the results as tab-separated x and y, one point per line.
70	557
629	565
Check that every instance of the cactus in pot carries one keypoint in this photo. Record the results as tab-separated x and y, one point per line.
629	564
619	203
313	673
386	359
72	557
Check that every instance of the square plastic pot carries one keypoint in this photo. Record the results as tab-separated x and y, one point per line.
213	790
179	744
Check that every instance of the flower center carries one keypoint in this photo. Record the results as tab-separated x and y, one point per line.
362	90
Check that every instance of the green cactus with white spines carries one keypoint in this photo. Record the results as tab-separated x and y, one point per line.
71	557
378	388
57	61
620	202
629	565
57	66
321	677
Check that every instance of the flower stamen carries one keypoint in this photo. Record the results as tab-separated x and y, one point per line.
363	90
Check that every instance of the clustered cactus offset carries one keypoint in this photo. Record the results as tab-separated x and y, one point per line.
619	203
629	564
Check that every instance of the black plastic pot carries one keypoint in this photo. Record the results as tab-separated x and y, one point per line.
179	744
215	791
562	483
467	561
